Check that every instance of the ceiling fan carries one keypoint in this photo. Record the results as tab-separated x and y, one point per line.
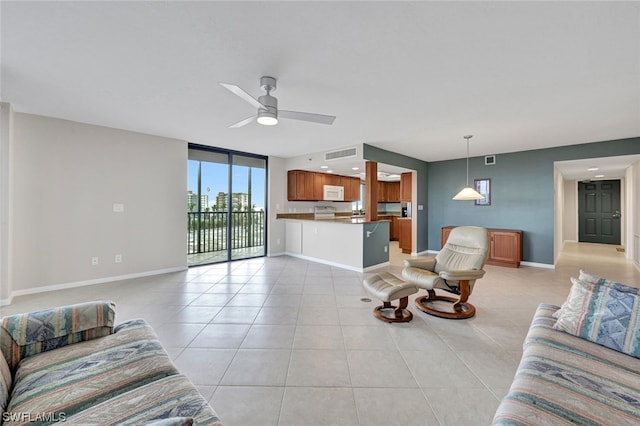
267	106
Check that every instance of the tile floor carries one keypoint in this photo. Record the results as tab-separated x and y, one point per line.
282	341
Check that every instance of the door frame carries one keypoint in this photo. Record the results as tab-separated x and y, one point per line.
622	210
230	153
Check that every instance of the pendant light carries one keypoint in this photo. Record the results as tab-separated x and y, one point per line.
468	193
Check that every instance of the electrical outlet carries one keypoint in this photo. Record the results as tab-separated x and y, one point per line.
385	249
94	261
117	258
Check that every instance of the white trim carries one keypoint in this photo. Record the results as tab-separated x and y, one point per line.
379	265
538	265
325	262
5	302
65	286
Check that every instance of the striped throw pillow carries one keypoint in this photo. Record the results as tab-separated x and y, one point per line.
603	312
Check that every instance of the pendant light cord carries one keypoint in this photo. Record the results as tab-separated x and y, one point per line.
467	161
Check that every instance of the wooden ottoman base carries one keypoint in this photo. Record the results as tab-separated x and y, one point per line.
387	287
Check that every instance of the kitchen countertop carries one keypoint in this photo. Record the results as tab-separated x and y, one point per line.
348	219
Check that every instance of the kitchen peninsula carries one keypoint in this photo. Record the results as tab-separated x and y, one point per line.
341	240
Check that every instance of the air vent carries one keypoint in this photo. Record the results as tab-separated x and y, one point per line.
343	153
489	160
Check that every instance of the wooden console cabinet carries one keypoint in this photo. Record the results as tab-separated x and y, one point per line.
505	246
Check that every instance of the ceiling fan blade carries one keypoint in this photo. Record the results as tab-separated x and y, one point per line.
243	122
307	116
241	93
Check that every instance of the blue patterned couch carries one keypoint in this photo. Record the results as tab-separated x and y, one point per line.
73	364
566	380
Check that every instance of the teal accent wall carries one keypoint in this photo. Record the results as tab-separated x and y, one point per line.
378	155
522	193
373	245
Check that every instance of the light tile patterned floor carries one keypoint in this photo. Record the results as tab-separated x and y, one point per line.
282	341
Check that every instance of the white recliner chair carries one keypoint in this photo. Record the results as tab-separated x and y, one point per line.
455	269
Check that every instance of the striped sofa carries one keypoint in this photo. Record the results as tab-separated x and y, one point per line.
72	364
567	380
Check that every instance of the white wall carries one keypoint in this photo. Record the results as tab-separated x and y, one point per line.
67	176
6	179
633	213
558	213
570	217
277	178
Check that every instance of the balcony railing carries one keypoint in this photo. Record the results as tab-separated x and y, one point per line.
207	231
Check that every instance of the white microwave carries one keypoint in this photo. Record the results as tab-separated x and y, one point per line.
333	193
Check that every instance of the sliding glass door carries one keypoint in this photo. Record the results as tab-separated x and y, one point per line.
226	199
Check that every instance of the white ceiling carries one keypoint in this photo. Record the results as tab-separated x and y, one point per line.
409	77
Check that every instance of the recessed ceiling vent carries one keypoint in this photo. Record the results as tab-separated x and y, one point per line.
343	153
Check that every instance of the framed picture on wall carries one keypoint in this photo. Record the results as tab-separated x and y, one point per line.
483	186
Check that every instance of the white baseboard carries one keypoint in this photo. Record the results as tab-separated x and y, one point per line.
5	302
379	265
75	284
428	252
325	262
539	265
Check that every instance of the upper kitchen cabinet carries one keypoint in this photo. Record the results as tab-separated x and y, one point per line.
388	192
354	189
331	179
405	186
393	192
303	185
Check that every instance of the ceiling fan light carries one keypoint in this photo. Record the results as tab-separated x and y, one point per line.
468	193
267	118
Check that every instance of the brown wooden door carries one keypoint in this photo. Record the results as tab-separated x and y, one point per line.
444	235
393	192
599	212
405	187
330	179
405	235
318	189
395	232
382	192
504	247
292	187
354	189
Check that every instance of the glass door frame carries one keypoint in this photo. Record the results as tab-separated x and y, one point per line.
229	208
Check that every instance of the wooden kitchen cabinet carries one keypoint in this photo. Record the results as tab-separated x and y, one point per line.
395	230
388	192
405	187
354	189
303	185
382	191
330	179
393	192
505	246
405	235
